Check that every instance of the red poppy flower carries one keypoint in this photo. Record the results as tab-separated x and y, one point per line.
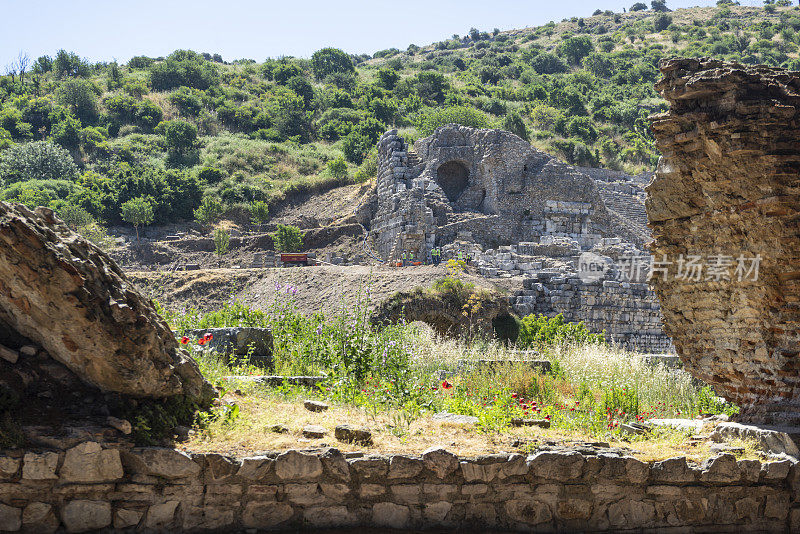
514	395
201	341
184	340
208	336
446	385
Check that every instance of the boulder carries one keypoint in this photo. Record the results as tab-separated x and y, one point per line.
240	342
723	207
69	297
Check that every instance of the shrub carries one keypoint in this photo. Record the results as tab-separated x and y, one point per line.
661	21
66	132
547	63
574	49
638	6
40	160
387	78
180	136
148	114
74	216
259	212
210	175
513	123
356	146
187	101
330	61
183	67
140	62
537	330
79	97
338	168
70	65
137	211
209	211
463	115
222	240
288	238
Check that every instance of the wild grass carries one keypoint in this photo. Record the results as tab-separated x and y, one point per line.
395	378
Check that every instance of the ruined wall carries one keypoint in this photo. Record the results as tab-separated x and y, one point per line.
728	187
88	488
467	179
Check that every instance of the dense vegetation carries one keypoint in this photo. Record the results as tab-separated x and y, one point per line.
86	138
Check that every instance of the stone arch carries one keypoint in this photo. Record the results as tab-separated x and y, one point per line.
453	178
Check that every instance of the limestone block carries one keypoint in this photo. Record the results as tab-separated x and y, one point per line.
329	517
82	516
266	515
401	466
295	465
39	517
124	518
387	514
160	462
440	461
39	466
9	467
88	462
10	518
160	515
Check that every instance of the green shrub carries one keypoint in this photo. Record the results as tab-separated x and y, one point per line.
183	68
209	211
463	115
259	212
80	97
513	123
40	160
222	240
338	168
537	330
288	238
137	211
330	61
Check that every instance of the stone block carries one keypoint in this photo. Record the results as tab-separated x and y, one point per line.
562	466
401	466
39	517
440	461
9	467
10	518
82	516
387	514
329	517
159	462
266	515
124	518
40	466
88	462
296	465
370	468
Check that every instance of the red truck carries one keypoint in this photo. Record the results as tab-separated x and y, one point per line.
296	258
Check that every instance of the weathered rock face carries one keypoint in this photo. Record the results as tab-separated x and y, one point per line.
66	295
728	190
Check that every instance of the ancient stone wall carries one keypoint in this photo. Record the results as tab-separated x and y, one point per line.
89	488
465	179
727	193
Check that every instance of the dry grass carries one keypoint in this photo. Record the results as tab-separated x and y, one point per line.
252	434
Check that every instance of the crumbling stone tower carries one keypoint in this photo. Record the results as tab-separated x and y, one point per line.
728	187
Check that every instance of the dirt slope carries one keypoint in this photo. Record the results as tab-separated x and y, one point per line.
322	288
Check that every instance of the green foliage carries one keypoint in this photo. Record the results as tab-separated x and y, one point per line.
74	216
463	115
40	160
661	21
330	61
356	146
288	238
80	97
183	68
179	136
67	64
259	212
222	241
513	123
574	49
539	330
137	211
338	168
209	211
638	6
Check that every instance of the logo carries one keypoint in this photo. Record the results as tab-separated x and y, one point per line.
593	267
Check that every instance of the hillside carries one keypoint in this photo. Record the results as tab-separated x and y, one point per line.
190	129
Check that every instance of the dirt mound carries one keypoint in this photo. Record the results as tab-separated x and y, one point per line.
323	288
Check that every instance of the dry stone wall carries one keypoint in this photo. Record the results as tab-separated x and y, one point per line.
727	190
89	488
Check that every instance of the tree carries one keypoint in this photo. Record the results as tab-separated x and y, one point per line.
288	238
74	216
387	78
40	160
330	61
661	22
137	211
659	5
259	212
574	49
222	241
68	64
639	6
513	123
338	168
463	115
209	211
179	136
80	98
183	68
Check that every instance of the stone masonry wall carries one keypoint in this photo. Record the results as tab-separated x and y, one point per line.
88	488
728	187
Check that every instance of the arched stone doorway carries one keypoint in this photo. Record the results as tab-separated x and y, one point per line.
453	178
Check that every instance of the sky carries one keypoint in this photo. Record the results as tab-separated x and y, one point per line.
257	29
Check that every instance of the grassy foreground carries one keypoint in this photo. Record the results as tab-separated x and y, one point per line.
393	379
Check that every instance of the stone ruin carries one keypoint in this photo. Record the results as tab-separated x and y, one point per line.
517	211
74	334
726	188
